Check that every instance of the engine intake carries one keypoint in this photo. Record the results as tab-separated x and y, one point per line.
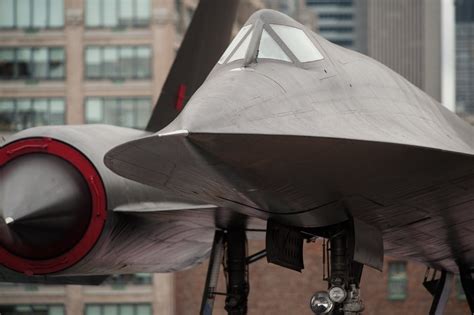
52	206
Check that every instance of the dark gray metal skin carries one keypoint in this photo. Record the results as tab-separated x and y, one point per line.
312	144
146	230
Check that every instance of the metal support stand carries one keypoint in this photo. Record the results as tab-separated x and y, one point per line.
236	268
215	261
467	282
439	289
229	248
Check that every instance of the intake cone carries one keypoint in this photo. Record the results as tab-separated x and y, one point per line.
45	206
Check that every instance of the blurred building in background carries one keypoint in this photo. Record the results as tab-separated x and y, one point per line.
104	61
413	37
465	59
337	21
416	39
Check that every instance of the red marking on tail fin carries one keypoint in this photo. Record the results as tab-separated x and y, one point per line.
180	99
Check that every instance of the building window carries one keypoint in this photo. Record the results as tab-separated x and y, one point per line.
31	14
397	280
339	29
118	62
118	309
117	13
32	310
32	63
121	281
19	114
125	112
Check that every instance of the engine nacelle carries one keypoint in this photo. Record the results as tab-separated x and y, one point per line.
64	213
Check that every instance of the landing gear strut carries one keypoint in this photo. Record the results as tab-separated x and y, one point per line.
343	276
230	249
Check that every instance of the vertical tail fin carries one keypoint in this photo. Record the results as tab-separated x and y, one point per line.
206	39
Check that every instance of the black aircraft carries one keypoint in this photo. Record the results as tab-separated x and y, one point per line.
283	136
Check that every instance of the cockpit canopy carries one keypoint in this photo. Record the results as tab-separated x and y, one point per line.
260	39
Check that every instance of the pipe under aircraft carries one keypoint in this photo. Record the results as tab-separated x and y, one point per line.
280	135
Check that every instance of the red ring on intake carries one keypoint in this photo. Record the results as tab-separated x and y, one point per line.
99	205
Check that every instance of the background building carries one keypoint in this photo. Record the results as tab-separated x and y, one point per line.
465	59
416	39
91	61
336	21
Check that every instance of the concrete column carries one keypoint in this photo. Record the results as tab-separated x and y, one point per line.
164	291
74	300
74	30
164	37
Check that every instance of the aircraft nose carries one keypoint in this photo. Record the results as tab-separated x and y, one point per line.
45	206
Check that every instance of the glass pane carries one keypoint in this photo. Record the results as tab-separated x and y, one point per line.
110	310
56	63
127	62
127	310
397	281
56	310
143	62
93	13
40	62
242	50
93	310
93	62
23	63
243	31
298	42
143	278
111	62
111	112
126	12
6	13
56	111
110	13
24	114
94	111
39	13
23	13
143	310
7	63
269	48
7	112
143	112
127	113
56	13
143	9
40	112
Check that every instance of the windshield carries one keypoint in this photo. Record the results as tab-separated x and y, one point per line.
269	49
238	38
298	42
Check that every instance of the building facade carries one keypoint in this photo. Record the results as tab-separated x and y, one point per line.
337	21
74	61
416	39
465	59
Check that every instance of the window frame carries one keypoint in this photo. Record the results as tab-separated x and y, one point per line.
31	122
119	100
119	76
102	306
390	281
31	63
135	24
30	14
